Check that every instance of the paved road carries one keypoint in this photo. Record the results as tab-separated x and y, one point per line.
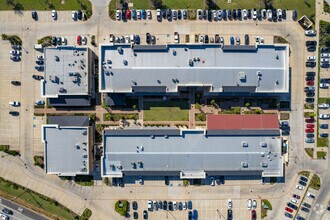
99	199
25	214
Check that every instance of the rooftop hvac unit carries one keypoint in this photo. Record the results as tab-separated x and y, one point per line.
262	154
191	63
263	144
244	164
152	136
244	144
61	89
119	167
84	155
166	136
259	73
141	148
84	132
77	146
264	164
242	76
85	143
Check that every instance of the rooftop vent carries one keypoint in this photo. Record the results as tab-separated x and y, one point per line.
125	62
264	164
62	90
244	144
84	132
244	164
191	63
120	50
259	73
242	76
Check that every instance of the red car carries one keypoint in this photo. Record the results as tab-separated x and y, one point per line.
79	40
310	125
310	83
288	209
296	196
128	14
254	215
309	120
309	130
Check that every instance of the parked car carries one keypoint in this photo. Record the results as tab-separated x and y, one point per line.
15	58
14	113
294	15
307	205
305	209
288	209
34	15
286	214
309	140
253	215
230	204
310	195
299	187
79	14
310	64
176	37
54	15
309	120
324	116
324	135
14	103
39	102
302	178
292	206
118	15
296	196
37	77
310	33
39	68
324	126
15	52
79	40
16	83
302	182
7	211
84	40
246	39
249	204
189	204
310	125
309	130
145	214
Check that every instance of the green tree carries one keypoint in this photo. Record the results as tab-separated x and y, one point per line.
327	41
247	104
327	28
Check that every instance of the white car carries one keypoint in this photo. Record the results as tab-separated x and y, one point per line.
64	41
254	14
215	16
279	14
310	195
15	103
184	205
249	204
54	14
310	33
212	182
325	55
222	41
132	38
118	14
138	14
294	201
39	102
158	14
175	207
127	39
230	204
74	15
324	116
324	85
311	58
40	57
324	60
201	39
84	40
299	187
324	105
254	204
176	37
15	52
141	180
149	14
244	14
199	14
149	205
269	14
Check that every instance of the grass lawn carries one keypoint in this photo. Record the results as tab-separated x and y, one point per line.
140	4
304	173
34	201
184	4
315	182
40	5
235	4
166	111
309	152
324	100
321	154
322	142
299	5
263	210
323	34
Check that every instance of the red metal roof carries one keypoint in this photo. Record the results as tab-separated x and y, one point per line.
242	122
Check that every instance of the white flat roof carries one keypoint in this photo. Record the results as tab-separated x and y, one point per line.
264	69
66	71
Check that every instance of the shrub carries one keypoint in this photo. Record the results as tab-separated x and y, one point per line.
121	210
86	214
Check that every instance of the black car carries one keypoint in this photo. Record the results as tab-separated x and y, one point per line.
79	14
302	183
164	14
324	135
249	13
234	14
169	14
299	218
165	205
34	15
190	215
179	14
16	83
145	214
224	14
160	204
180	206
7	211
239	14
284	14
303	179
259	16
310	94
53	41
309	78
288	215
307	205
305	209
167	181
310	73
135	215
294	15
325	49
189	204
309	100
39	68
204	14
40	62
311	48
274	14
217	39
310	135
209	15
246	39
170	206
148	38
123	15
206	39
15	58
310	64
311	42
37	77
324	126
135	205
285	133
292	206
230	15
14	113
229	214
